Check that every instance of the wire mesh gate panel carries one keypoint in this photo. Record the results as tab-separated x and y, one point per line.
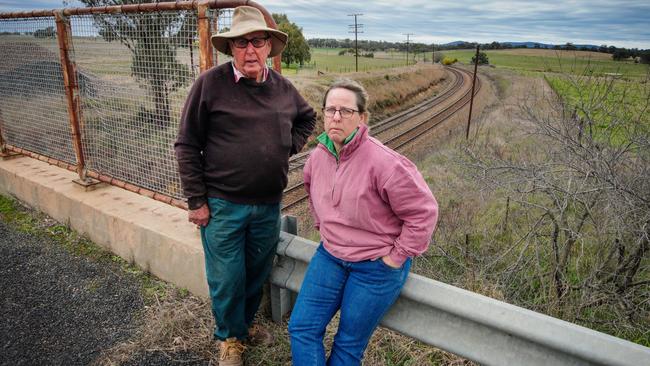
133	72
33	112
138	69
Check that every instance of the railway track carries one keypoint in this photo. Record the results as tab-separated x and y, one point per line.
295	194
400	118
298	161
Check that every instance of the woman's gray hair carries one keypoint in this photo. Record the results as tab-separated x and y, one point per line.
353	86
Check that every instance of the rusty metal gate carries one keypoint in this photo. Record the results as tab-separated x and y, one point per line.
100	90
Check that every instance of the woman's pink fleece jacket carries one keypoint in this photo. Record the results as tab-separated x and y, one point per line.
370	203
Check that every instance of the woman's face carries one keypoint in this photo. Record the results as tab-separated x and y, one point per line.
338	126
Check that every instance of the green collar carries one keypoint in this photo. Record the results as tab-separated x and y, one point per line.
329	144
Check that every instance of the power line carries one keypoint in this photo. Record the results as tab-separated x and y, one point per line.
356	31
408	35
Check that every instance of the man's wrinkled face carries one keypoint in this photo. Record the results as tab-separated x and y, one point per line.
251	60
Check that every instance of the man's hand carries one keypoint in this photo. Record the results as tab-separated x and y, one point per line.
200	216
389	262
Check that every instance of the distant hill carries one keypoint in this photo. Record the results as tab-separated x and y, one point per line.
527	45
455	43
530	44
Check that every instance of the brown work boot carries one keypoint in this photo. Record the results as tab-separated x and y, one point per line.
230	352
260	336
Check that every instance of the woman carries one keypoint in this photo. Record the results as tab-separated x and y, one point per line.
374	212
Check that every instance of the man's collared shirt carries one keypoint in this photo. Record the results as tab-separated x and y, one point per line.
239	75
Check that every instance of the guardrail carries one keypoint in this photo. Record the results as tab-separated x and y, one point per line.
473	326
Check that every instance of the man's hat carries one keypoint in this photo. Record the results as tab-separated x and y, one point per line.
247	19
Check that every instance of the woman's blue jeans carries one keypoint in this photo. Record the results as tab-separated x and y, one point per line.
239	244
363	291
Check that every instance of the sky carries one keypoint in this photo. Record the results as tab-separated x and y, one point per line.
620	23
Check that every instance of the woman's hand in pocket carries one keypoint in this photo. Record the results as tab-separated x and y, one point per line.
389	262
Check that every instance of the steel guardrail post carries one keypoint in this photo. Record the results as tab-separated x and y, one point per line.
282	299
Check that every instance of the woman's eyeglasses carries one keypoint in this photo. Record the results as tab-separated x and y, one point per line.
344	112
243	42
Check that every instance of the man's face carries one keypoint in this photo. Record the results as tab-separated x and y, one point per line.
251	60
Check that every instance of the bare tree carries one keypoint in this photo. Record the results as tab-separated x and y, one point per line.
584	201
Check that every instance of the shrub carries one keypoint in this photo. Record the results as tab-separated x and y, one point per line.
449	61
482	59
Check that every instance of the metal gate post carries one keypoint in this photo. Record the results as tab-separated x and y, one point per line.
72	94
205	46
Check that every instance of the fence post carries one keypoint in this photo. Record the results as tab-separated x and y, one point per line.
205	47
282	299
72	94
4	152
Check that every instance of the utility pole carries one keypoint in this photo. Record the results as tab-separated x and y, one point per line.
471	101
433	53
408	35
356	27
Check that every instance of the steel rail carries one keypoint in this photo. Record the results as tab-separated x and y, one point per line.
298	161
395	142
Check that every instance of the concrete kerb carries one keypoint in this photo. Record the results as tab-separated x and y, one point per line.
151	234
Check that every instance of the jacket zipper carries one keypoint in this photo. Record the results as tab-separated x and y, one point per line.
335	173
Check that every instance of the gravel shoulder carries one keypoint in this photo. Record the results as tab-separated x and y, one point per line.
59	307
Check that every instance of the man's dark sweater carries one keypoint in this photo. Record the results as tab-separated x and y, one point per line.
235	139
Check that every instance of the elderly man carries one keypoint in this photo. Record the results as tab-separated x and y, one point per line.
240	124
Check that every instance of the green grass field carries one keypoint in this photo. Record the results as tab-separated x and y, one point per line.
328	60
571	62
613	103
525	61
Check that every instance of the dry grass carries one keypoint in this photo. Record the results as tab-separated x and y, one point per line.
172	324
180	326
500	129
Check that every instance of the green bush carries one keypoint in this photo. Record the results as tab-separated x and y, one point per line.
482	59
449	61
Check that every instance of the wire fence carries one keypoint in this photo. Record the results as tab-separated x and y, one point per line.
33	112
133	72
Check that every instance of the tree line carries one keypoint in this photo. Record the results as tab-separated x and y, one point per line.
618	53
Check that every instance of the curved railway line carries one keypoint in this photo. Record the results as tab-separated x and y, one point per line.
298	161
295	194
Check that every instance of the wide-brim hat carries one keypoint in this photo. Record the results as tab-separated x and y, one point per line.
247	19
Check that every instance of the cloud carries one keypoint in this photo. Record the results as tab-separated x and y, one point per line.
621	23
